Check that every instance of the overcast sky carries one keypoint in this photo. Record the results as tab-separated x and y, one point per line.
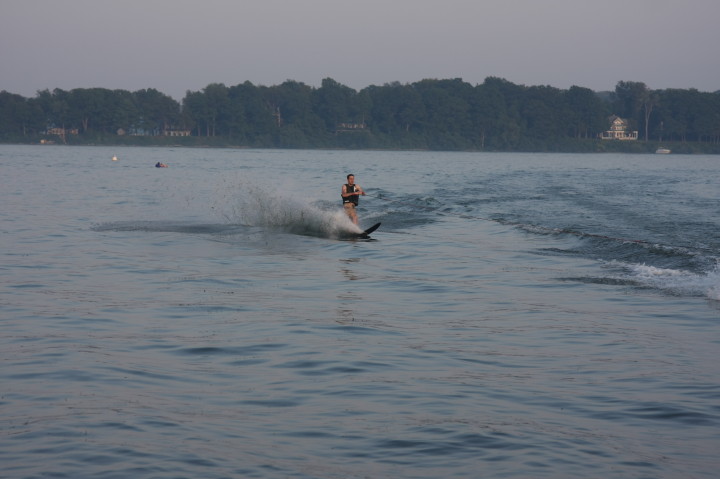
180	45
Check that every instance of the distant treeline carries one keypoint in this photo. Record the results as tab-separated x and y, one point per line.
430	114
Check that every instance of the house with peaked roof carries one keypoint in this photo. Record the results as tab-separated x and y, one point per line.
618	130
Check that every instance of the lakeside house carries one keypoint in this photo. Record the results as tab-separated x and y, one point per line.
618	130
154	132
176	132
62	132
349	126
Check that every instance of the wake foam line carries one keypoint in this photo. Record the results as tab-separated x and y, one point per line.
672	280
537	228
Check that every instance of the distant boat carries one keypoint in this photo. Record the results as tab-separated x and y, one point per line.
662	151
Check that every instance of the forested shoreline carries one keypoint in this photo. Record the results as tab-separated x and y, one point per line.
450	114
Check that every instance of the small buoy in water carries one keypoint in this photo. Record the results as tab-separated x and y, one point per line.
114	158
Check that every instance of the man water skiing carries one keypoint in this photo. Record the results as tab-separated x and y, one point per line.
350	196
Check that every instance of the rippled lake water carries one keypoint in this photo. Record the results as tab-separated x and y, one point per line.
515	316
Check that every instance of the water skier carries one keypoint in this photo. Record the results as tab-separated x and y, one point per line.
350	196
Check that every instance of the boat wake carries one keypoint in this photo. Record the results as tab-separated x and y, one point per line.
671	281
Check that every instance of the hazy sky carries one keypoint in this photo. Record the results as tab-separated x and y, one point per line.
180	45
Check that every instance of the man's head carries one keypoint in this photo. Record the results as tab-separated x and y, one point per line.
351	178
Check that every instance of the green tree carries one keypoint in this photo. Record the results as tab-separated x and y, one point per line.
333	103
157	112
431	113
503	100
299	124
194	107
586	112
19	117
124	111
674	114
544	115
636	102
56	109
259	117
447	112
216	101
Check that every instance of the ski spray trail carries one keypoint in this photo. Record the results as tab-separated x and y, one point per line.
252	204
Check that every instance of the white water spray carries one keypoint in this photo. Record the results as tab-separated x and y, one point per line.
674	281
251	204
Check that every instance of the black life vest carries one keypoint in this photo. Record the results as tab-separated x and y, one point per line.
350	199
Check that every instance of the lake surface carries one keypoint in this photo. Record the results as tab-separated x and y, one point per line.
515	316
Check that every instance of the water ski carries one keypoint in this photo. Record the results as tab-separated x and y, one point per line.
371	229
364	235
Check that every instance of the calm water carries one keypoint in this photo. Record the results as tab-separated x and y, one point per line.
515	316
